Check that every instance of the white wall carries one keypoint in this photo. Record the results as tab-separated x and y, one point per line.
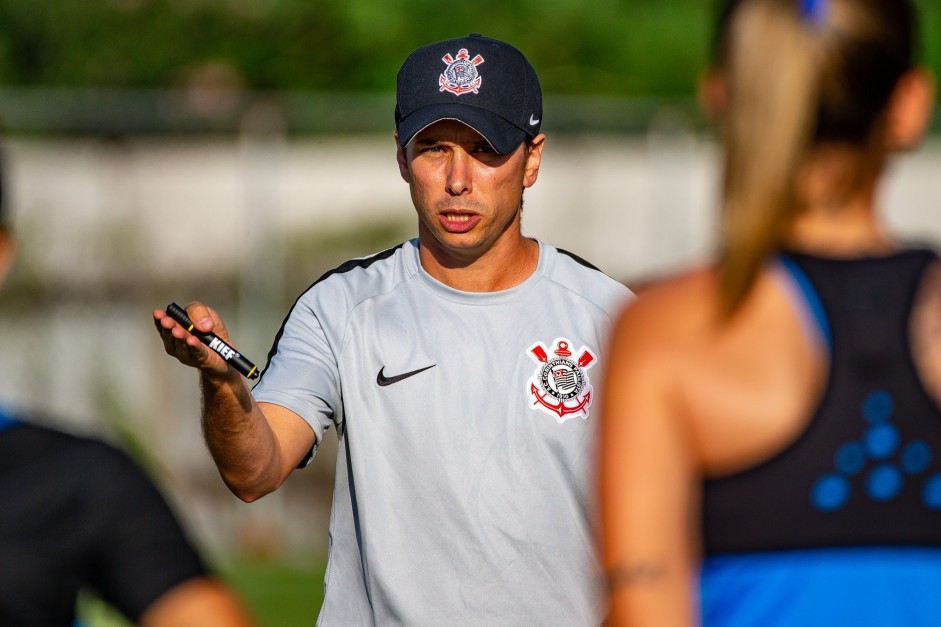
90	213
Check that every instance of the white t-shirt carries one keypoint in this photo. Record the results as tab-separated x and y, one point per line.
466	426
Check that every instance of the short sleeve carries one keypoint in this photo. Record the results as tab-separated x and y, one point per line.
302	373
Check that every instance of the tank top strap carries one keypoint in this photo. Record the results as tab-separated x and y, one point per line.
6	420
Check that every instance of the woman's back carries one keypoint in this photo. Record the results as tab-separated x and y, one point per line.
856	495
758	407
748	387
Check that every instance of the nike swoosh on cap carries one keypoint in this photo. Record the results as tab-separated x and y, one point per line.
533	121
383	380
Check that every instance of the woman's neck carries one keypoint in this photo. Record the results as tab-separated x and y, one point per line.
851	230
837	193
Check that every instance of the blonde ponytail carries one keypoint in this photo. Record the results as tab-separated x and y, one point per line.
773	81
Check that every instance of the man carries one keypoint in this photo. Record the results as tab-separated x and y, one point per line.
79	514
458	369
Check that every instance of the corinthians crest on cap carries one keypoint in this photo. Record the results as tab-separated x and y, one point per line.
461	76
560	384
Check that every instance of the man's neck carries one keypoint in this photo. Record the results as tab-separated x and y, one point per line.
499	268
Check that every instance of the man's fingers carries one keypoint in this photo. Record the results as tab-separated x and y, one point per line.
203	317
178	342
185	347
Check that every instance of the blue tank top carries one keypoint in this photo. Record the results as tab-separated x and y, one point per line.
843	526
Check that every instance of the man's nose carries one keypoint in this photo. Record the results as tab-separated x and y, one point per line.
460	176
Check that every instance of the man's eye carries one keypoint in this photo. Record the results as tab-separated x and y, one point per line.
485	150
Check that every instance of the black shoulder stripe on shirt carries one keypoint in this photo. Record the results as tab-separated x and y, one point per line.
352	264
346	266
578	259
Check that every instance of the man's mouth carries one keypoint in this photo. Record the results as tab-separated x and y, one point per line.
458	222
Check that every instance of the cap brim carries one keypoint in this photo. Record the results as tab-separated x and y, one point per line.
500	134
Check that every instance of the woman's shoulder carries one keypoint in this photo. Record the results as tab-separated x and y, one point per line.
675	305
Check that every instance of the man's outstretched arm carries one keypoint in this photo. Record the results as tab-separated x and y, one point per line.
254	445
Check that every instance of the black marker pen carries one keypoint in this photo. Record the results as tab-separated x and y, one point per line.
213	341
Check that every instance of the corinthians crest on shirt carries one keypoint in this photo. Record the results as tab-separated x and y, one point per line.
461	76
560	384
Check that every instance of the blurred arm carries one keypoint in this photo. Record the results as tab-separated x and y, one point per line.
646	482
200	602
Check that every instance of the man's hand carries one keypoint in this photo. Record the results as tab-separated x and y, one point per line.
185	346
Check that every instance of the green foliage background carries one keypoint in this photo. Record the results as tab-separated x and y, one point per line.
603	47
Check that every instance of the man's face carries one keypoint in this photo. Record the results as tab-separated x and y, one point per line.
467	196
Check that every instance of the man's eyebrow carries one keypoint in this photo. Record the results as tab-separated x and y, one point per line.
424	142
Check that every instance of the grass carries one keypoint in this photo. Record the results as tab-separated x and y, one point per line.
280	594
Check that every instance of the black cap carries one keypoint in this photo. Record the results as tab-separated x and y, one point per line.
484	83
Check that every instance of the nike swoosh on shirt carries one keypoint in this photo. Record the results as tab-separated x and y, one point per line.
383	380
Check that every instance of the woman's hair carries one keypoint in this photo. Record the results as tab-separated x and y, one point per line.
798	73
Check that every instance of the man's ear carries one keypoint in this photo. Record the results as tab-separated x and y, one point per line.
7	253
712	92
402	159
533	160
909	110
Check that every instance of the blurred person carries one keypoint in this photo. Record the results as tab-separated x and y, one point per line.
458	369
79	514
771	434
